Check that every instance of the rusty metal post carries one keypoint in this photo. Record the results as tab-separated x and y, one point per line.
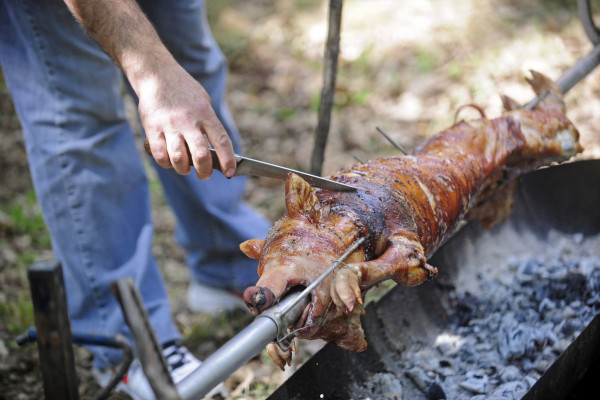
53	330
148	351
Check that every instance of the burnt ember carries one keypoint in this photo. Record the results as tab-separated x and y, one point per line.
504	337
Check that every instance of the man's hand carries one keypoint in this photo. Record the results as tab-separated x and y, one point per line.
174	108
180	123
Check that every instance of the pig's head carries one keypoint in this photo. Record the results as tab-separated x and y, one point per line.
298	249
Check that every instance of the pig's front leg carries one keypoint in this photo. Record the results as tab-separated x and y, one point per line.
403	261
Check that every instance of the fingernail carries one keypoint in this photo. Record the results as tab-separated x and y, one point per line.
230	172
201	177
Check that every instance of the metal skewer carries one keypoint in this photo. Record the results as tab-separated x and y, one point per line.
357	158
396	145
324	275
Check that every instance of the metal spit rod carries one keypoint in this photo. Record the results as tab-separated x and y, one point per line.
241	348
580	70
584	65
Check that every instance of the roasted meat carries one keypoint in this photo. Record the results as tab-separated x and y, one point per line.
405	207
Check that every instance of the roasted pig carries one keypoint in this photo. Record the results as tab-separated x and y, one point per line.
405	207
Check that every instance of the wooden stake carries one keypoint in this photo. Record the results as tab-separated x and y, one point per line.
53	327
329	74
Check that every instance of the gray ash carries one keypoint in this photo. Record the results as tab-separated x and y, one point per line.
506	333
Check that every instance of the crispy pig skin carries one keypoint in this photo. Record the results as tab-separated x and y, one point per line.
405	207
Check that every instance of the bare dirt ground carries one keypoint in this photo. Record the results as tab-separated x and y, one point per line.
404	66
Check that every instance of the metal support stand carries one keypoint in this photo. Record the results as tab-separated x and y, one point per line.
54	330
148	350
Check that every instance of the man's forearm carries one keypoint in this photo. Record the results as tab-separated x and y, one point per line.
175	110
125	34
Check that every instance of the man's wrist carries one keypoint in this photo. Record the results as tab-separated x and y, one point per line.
127	36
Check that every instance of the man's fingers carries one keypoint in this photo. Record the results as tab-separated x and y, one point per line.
158	150
222	144
200	155
178	154
181	132
183	153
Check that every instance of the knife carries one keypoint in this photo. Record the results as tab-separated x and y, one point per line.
249	166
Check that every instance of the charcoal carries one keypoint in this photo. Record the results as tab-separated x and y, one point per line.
475	382
510	373
510	390
435	392
419	377
502	338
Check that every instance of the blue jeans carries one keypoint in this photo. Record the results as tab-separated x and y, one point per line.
89	177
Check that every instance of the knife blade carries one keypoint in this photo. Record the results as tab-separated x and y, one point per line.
249	166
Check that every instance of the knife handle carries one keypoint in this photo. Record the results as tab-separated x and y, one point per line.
215	159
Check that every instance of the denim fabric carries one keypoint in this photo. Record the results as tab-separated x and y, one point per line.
89	177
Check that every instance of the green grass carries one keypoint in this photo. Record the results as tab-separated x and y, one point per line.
286	113
363	64
360	97
25	218
427	61
17	313
25	233
23	223
455	71
258	391
315	102
218	330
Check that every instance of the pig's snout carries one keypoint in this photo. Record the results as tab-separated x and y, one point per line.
258	298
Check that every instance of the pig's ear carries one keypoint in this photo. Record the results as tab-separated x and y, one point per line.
252	248
300	198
